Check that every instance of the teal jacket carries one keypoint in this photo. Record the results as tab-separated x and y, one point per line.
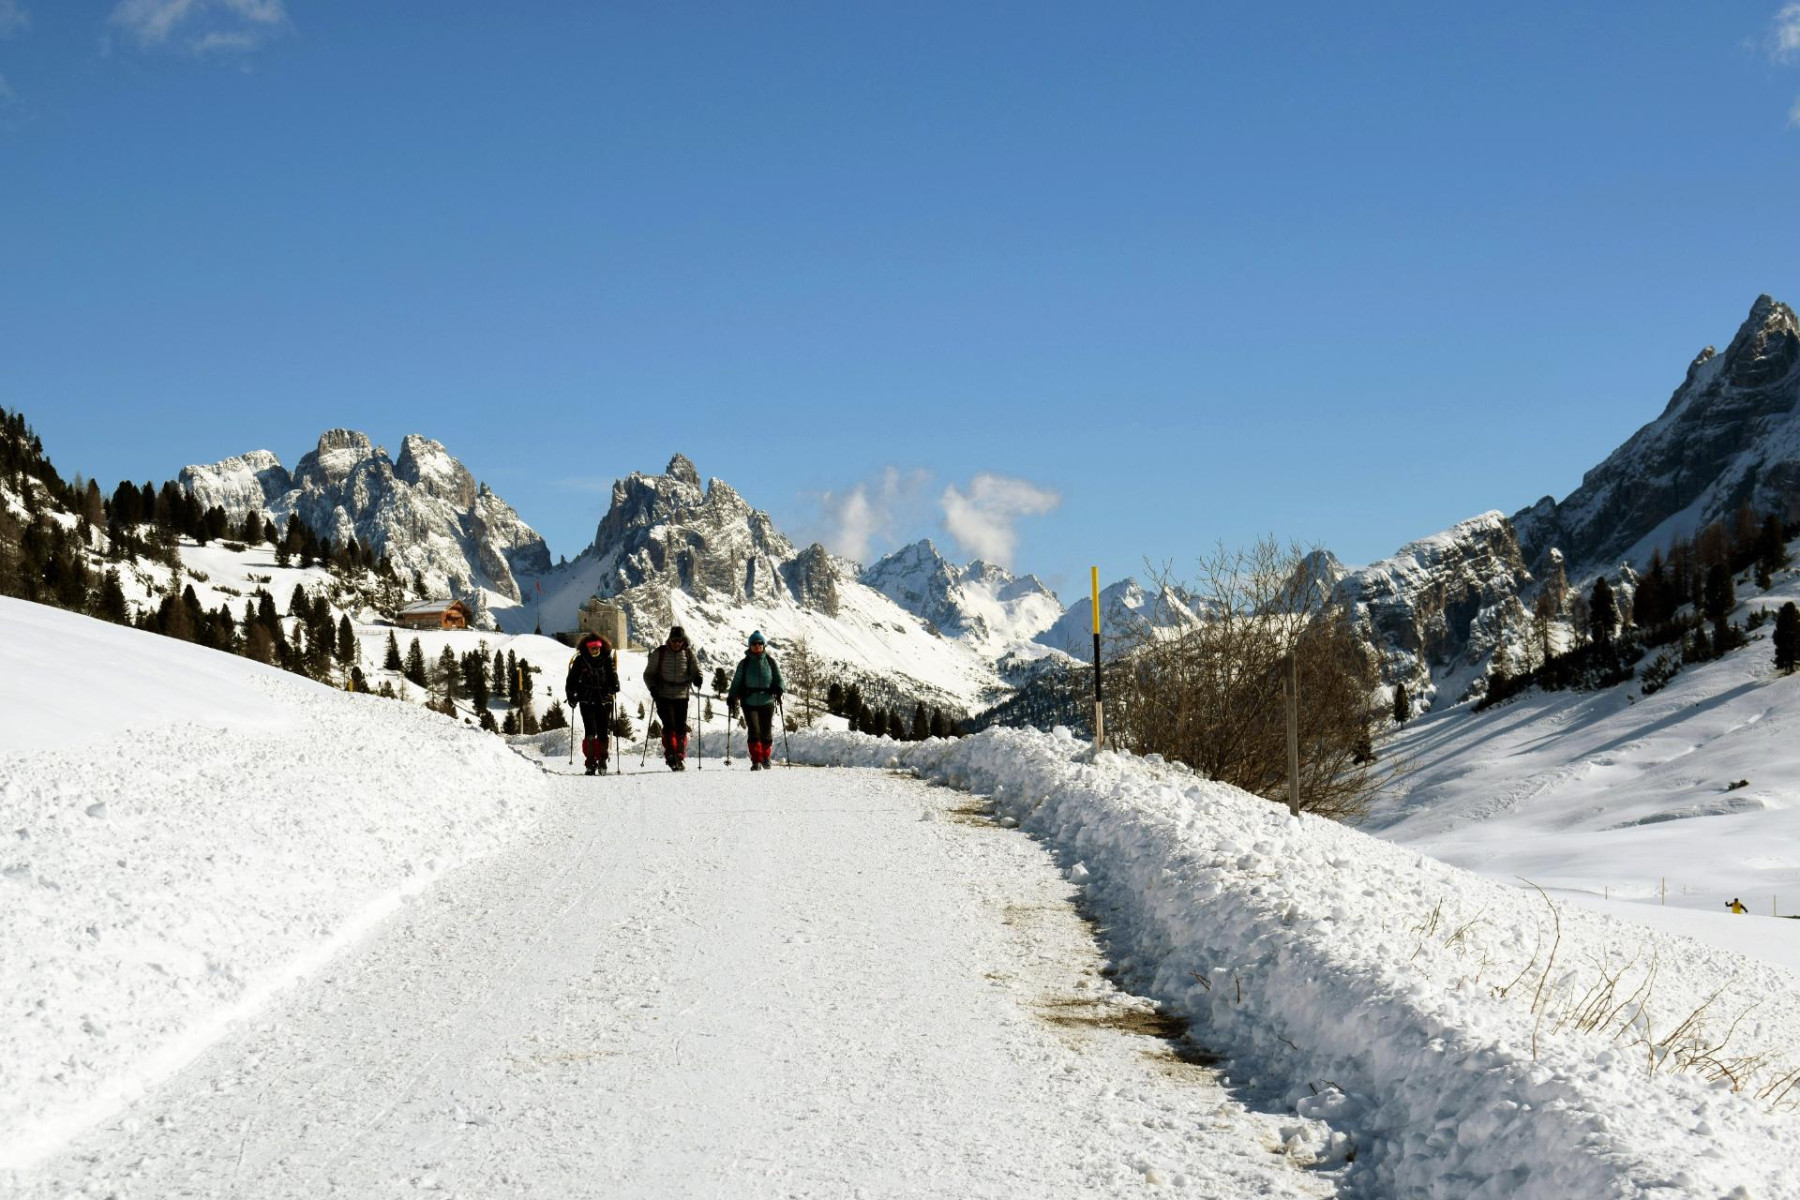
756	683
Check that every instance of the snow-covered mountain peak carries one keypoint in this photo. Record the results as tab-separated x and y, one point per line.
427	465
424	511
1730	435
681	468
982	604
338	453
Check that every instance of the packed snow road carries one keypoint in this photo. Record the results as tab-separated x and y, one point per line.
806	982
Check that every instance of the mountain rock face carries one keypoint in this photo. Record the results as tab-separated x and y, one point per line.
1435	610
981	603
1730	435
424	511
665	533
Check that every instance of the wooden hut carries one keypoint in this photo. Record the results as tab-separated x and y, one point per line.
436	614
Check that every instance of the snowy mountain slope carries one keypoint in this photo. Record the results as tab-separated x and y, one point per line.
1412	1006
1729	435
674	551
423	510
187	831
981	604
1611	793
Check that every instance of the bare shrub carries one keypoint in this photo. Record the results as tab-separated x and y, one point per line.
1208	692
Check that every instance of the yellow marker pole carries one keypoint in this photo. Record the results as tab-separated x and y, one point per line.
1099	710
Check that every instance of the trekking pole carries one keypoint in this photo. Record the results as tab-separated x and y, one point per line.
728	737
787	759
572	733
618	752
644	754
699	736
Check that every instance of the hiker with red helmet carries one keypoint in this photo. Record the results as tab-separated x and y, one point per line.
592	685
671	672
756	685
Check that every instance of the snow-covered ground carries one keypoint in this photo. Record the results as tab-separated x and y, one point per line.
1613	798
808	982
182	832
1461	1037
818	983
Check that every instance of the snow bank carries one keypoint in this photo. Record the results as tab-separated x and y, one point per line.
183	832
1422	1011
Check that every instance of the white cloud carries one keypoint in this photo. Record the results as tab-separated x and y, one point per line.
200	26
1794	116
854	519
13	18
984	522
1785	41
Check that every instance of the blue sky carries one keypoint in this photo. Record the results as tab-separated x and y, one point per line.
1130	279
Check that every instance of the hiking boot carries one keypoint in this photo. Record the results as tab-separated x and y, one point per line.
590	768
755	766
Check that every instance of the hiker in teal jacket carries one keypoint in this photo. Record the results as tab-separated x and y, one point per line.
757	686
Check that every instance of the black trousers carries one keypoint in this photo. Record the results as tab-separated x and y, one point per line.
673	715
596	720
758	721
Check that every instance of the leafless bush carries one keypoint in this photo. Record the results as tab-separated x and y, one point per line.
1208	692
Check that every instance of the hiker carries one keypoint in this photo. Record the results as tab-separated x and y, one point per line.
1737	906
592	684
757	686
671	672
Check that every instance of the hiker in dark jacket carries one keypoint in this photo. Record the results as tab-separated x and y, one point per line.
671	672
756	686
592	684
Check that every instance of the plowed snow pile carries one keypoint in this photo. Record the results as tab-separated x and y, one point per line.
182	832
1471	1039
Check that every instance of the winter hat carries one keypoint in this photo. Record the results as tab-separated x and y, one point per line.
757	639
677	634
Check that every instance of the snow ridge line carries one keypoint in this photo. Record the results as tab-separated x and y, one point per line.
1296	946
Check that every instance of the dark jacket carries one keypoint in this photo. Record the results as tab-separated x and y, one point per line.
671	677
756	682
592	679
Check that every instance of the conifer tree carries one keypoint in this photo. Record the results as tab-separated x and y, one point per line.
1787	638
415	663
1720	598
721	681
300	604
112	605
449	675
921	723
1402	705
347	649
1603	613
391	662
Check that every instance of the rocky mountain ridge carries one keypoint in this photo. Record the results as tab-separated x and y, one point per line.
424	510
981	603
1729	435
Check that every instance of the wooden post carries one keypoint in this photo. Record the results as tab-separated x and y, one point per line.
1099	708
1290	687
